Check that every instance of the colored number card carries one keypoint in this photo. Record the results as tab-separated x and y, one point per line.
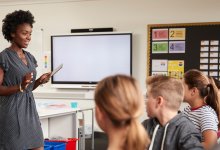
159	34
177	34
159	47
177	47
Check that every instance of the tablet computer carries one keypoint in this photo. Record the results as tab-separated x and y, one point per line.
56	69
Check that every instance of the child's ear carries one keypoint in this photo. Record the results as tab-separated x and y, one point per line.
100	118
98	113
193	91
160	100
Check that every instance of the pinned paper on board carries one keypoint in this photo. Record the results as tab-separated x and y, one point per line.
159	34
159	65
177	34
196	44
176	68
160	47
177	47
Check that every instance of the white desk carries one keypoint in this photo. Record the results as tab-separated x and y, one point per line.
62	122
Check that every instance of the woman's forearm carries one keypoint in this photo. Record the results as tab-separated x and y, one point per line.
9	90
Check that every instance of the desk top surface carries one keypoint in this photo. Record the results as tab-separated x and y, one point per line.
55	108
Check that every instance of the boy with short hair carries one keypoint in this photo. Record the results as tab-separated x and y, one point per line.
167	128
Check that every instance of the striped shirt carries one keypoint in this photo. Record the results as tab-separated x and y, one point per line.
204	118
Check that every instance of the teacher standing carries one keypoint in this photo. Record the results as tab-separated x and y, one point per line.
19	121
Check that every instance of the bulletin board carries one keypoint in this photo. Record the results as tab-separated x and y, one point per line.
175	48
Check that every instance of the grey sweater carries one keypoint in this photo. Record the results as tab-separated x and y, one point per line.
178	134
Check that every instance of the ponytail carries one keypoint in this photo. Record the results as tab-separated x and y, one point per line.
122	101
212	98
136	139
207	88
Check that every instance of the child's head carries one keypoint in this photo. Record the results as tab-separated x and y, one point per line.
206	87
166	90
199	85
119	99
195	79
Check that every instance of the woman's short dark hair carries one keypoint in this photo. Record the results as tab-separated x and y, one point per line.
12	20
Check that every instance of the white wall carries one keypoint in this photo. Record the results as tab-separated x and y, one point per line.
122	15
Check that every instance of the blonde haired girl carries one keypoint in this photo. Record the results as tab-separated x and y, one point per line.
119	103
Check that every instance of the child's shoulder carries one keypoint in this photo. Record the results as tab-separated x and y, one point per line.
150	122
179	118
183	124
202	109
206	110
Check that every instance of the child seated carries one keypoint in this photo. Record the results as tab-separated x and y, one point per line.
202	95
167	128
119	103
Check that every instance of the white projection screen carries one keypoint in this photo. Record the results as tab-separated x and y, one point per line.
88	58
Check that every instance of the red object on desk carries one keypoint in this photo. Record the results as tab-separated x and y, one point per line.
70	143
57	106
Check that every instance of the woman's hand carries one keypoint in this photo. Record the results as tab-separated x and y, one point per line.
42	80
45	78
27	79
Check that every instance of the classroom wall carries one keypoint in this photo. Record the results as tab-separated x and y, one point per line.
58	17
123	15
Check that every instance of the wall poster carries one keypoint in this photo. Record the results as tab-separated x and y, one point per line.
175	48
